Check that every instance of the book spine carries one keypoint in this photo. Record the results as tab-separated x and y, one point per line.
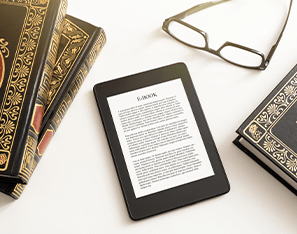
57	117
34	129
53	123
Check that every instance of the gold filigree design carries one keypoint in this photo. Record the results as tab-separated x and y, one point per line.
269	144
280	154
4	48
77	39
4	53
17	1
40	1
96	49
59	114
28	3
253	129
20	74
278	104
267	118
3	159
32	139
26	169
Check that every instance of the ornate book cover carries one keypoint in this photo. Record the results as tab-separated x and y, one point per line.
28	46
79	47
269	134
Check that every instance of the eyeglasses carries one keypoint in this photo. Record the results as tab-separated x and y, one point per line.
233	53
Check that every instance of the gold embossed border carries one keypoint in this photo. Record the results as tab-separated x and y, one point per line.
77	39
100	42
17	2
20	73
36	3
259	130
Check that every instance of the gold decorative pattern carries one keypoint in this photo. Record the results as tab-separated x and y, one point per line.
40	2
22	2
31	3
96	49
4	53
28	159
253	130
3	159
65	104
260	129
18	190
79	79
20	74
32	139
77	39
4	48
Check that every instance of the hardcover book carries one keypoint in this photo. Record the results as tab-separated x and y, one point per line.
28	47
269	134
79	47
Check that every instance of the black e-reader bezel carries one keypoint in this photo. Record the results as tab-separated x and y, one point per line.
190	193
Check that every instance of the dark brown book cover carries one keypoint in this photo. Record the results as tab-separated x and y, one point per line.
27	45
79	47
269	134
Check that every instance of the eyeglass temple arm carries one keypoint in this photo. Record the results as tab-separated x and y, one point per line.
197	8
273	48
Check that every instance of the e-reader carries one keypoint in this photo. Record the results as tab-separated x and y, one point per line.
162	148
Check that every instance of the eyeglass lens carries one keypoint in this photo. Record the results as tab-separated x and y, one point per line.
241	56
186	34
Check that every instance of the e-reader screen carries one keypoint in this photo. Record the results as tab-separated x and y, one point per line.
159	137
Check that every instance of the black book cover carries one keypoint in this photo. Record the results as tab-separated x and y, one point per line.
269	134
79	47
27	44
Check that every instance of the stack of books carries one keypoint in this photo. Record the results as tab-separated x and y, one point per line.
45	55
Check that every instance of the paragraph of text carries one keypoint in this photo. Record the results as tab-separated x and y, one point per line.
150	113
166	165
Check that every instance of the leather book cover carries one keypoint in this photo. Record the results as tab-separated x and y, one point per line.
26	44
79	47
269	134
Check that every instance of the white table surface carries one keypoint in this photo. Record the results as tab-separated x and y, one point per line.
75	187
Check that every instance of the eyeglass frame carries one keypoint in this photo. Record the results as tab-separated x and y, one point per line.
178	18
